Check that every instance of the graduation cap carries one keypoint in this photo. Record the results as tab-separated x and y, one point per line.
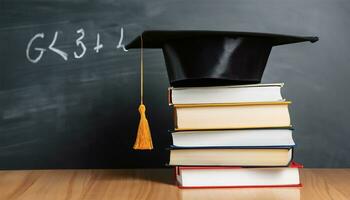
208	58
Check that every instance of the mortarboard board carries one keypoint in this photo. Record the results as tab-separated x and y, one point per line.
200	58
206	58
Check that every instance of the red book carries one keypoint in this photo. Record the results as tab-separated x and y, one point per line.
238	177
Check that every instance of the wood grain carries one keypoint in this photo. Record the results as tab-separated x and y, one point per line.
157	184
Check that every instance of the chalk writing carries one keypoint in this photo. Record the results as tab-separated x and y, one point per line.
34	54
120	45
63	54
41	50
98	44
78	42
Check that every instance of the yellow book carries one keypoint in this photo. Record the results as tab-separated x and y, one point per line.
231	116
231	157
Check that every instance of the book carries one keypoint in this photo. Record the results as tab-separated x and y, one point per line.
231	156
226	94
234	138
231	116
209	177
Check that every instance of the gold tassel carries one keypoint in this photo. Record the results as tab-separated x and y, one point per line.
143	138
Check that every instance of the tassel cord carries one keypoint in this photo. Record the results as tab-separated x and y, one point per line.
143	138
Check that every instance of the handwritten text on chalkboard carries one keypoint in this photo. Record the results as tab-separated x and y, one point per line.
79	42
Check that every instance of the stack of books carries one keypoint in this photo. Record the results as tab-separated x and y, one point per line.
232	136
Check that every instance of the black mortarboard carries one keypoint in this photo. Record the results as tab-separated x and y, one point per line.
202	58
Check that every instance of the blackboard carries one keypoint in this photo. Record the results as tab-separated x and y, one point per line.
75	106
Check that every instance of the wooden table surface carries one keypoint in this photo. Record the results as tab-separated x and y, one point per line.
157	184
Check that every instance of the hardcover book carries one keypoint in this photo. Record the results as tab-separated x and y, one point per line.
226	94
231	116
279	156
212	177
267	137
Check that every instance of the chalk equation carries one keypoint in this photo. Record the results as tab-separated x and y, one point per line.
79	42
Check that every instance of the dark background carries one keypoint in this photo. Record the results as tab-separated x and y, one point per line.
82	113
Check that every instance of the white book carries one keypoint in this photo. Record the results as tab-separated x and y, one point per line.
226	94
237	177
234	138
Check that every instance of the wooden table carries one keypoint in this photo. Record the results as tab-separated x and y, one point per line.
157	184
